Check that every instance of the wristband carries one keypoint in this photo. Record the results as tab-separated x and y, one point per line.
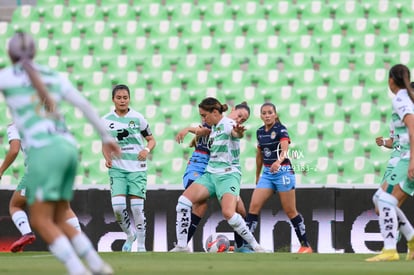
147	149
384	142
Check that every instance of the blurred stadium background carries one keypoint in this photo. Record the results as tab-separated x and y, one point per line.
323	63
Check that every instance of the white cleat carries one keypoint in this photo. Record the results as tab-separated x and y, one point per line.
259	249
180	249
128	243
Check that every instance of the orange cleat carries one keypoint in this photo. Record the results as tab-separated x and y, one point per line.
305	250
231	248
24	240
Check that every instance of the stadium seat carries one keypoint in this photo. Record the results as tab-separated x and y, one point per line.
283	10
359	27
62	30
326	28
183	12
71	49
227	28
105	49
151	12
313	11
344	10
84	15
118	14
303	44
248	11
213	11
380	9
291	28
335	43
54	14
389	26
25	13
97	30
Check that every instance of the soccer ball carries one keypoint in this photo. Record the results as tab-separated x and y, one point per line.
217	243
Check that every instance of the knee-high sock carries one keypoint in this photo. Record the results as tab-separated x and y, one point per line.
137	207
300	229
239	225
122	216
22	222
62	249
74	221
388	220
183	221
195	220
86	251
404	225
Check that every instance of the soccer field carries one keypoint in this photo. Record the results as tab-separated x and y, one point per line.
207	263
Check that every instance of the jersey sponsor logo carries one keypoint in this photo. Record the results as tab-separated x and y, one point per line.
122	133
112	125
267	152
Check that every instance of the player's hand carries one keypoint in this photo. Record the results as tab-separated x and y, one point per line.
379	141
108	163
411	170
179	138
142	155
111	148
275	167
239	129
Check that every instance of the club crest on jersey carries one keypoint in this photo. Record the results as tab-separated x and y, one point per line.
273	135
132	125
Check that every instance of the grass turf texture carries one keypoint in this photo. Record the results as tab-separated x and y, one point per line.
208	263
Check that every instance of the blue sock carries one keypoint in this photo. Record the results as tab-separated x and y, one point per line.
251	222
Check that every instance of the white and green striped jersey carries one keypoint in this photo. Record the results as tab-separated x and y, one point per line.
224	149
13	134
35	126
127	132
395	143
401	105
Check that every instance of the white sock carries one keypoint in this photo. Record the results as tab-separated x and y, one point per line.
239	225
122	216
137	208
388	219
74	222
182	225
376	196
64	252
405	226
86	251
22	222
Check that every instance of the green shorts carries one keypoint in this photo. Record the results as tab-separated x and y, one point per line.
399	176
220	184
51	171
388	170
128	183
22	185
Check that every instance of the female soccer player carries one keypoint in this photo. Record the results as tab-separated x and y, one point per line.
18	200
221	178
198	162
128	174
32	93
399	184
278	175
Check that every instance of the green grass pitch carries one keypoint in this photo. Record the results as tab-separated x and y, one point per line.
207	263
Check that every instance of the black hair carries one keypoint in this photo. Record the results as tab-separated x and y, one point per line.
243	105
401	76
210	104
120	87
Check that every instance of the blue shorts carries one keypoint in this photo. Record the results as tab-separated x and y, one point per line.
195	168
282	181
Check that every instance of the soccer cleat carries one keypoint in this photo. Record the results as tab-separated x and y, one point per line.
128	243
180	249
231	248
105	269
385	256
259	249
410	252
245	248
26	239
305	250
